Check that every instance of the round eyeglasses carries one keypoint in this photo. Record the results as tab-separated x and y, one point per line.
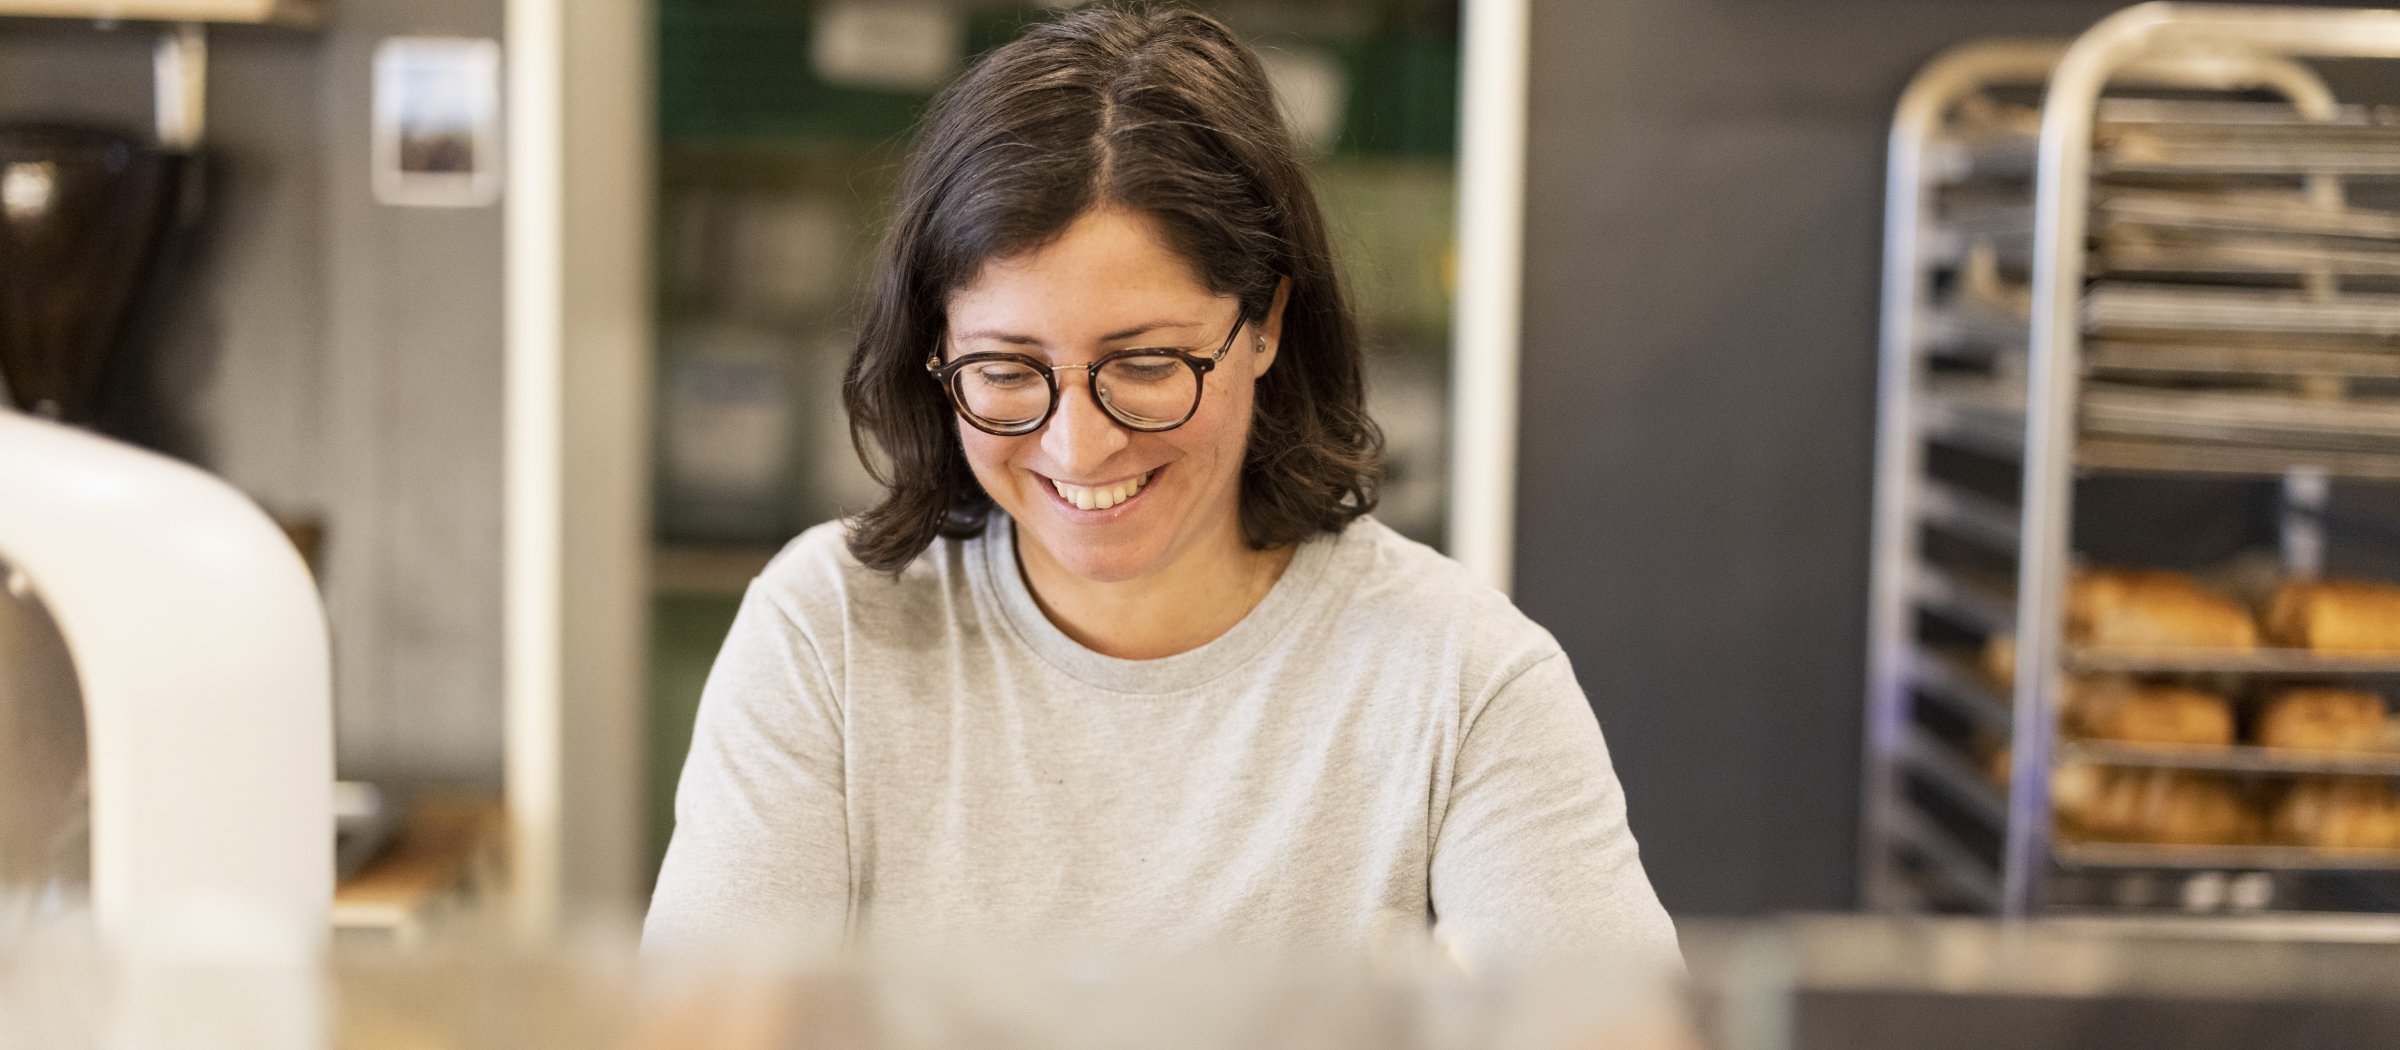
1145	389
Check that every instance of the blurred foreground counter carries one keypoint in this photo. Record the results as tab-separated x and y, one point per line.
1870	983
1857	983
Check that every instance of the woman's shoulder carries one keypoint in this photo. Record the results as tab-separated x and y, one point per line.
1403	589
818	583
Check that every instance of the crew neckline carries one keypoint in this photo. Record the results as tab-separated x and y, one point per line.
998	576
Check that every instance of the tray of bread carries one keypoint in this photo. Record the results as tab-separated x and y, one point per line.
2157	622
2130	721
2200	730
2147	621
2126	721
2198	818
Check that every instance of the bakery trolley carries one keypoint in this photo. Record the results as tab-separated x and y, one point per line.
2037	191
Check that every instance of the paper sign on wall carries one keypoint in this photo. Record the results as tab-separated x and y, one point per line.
437	122
894	45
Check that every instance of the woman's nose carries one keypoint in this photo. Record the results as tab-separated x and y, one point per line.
1079	437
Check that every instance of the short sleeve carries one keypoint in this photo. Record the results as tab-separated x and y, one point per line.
1533	859
759	860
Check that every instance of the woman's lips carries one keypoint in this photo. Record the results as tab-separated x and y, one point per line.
1099	499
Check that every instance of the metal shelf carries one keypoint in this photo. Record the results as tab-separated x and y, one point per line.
1987	156
2130	308
1979	604
2281	213
2295	662
1965	785
1955	863
2123	456
2222	858
1988	416
1952	680
2242	420
1973	424
1988	522
2194	379
1958	328
2240	759
2231	359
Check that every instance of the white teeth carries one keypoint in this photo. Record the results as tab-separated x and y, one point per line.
1102	497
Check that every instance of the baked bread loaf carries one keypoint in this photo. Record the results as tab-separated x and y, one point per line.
2000	661
2163	806
2319	718
2336	616
2146	609
2075	790
2118	708
2338	813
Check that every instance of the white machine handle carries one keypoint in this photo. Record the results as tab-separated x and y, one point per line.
199	643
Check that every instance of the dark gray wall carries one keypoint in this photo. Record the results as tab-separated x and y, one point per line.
1704	202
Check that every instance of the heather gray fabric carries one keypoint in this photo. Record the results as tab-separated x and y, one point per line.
931	760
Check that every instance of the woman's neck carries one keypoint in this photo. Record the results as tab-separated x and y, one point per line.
1187	604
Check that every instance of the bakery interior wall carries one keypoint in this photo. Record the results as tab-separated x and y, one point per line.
334	357
1704	197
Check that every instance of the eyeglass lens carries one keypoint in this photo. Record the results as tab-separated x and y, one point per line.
1140	390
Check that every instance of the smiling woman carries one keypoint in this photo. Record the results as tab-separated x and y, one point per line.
1121	661
1119	519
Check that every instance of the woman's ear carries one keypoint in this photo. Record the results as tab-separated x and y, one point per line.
1270	330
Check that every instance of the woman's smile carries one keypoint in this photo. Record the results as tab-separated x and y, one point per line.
1099	502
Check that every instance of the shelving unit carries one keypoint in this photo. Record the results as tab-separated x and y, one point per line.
2109	257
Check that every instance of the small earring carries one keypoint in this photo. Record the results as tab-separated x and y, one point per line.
1260	339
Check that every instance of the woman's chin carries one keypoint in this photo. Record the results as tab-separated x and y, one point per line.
1098	562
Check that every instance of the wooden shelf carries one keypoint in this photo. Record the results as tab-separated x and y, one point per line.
235	12
721	571
448	853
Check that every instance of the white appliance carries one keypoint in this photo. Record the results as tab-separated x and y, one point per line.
198	645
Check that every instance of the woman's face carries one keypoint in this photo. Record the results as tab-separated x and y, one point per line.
1110	282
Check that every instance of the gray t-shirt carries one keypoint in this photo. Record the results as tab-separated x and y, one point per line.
1381	742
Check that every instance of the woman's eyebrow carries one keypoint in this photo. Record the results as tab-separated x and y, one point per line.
1017	339
1145	329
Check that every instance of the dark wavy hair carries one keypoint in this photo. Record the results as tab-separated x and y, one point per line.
1159	111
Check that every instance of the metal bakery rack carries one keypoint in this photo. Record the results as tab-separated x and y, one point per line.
2134	253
